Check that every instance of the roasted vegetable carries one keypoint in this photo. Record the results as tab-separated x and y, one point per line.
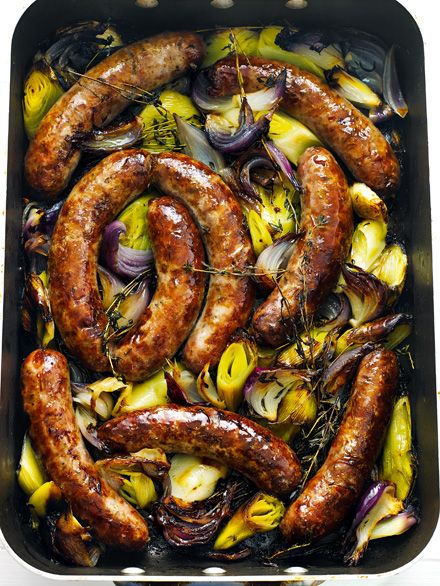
152	461
291	136
182	384
396	463
44	498
342	370
309	347
352	89
196	145
30	472
236	364
315	45
267	387
41	91
368	295
272	261
259	232
378	502
138	489
207	389
367	204
391	267
193	478
123	260
73	542
110	139
36	312
367	243
391	87
97	395
224	42
261	514
268	48
390	331
160	132
143	395
190	524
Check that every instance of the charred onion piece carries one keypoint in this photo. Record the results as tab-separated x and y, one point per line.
342	369
368	295
110	139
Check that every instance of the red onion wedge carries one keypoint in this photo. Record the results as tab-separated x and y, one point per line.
196	145
391	87
273	260
111	139
378	502
281	161
122	260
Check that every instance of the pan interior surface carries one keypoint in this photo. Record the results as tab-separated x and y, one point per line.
385	18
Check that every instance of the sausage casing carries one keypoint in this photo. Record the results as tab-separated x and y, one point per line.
222	435
314	267
230	296
98	97
330	495
74	295
350	134
56	437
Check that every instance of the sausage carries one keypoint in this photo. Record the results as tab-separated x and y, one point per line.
176	303
221	435
230	296
73	289
316	261
97	98
338	123
330	495
55	435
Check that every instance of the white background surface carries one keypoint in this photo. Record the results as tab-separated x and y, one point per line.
426	571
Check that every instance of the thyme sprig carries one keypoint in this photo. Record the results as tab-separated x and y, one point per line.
250	271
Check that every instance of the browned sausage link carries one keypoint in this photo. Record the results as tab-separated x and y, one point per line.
336	121
176	303
230	297
315	264
331	494
97	98
74	295
222	435
93	203
55	435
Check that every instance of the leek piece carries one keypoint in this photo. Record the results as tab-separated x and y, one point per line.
367	243
227	41
261	514
41	91
194	478
143	395
291	136
260	234
30	473
270	50
396	464
134	216
236	364
42	497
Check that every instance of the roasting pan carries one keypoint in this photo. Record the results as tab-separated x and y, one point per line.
389	20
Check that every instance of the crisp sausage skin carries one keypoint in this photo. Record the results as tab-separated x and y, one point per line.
230	297
176	303
314	267
56	437
339	124
331	494
75	301
95	200
222	435
98	97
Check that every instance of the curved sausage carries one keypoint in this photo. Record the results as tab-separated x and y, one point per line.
55	435
221	435
334	119
314	267
331	494
97	98
75	301
230	297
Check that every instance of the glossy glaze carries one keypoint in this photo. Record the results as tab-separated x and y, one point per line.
230	297
329	497
334	119
204	431
314	267
171	314
57	439
52	157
